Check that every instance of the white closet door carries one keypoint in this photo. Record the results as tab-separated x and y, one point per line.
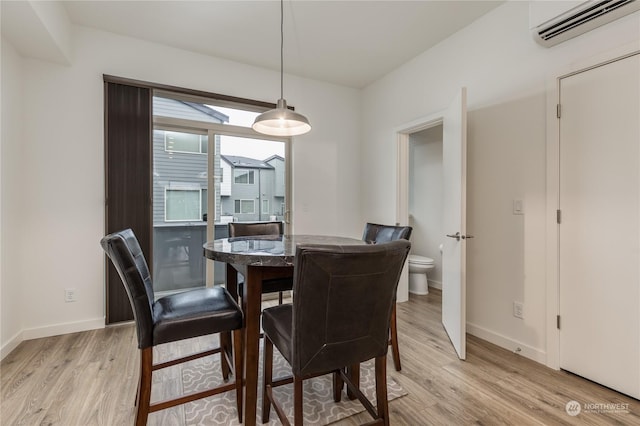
599	244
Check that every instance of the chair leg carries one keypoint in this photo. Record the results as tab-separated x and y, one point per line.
144	386
298	417
267	378
381	389
353	372
225	348
394	339
338	384
238	361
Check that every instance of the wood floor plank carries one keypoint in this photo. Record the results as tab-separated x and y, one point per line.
52	366
90	378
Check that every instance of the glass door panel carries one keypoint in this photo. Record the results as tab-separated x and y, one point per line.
180	207
252	184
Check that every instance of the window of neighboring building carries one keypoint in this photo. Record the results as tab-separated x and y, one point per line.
265	206
245	206
185	142
203	202
182	205
243	176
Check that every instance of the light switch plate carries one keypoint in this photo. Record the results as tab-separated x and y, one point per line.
518	207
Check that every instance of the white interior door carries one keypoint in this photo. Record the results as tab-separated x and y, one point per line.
600	224
454	162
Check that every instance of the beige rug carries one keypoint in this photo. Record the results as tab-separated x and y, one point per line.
319	407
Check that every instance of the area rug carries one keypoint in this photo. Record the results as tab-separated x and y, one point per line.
319	407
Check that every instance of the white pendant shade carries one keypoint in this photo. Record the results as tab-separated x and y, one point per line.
281	121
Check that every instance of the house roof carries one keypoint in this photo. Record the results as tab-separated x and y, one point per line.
273	157
208	110
246	162
169	107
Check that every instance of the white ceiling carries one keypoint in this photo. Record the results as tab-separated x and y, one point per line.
351	43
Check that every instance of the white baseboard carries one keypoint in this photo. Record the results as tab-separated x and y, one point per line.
435	284
11	345
64	328
507	343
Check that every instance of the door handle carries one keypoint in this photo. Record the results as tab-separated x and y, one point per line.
457	236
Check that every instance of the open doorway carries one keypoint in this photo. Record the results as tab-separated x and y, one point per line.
452	123
425	208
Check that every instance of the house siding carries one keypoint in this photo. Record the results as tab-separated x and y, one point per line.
225	185
279	187
174	170
180	169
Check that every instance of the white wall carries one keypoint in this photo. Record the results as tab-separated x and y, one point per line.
506	74
425	198
10	207
60	178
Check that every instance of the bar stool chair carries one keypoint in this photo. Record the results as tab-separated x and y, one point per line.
175	317
339	317
376	234
245	229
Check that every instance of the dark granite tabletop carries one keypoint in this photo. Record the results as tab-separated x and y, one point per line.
267	250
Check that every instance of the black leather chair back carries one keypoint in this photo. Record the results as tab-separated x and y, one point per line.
342	303
245	229
127	257
374	233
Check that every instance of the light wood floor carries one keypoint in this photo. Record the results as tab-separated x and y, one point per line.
89	378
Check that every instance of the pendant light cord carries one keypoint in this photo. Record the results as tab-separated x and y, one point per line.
281	49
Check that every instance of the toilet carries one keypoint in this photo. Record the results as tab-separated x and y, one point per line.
418	268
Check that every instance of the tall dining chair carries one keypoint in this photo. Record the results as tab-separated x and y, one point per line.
245	229
172	318
376	234
339	316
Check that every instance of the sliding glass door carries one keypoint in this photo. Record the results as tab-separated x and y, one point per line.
209	168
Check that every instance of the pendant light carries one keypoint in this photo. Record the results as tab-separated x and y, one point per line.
281	121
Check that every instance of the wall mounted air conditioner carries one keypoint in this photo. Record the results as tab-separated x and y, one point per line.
554	22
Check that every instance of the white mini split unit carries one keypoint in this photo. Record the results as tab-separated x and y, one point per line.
554	22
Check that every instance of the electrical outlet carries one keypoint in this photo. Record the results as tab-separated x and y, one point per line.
518	310
70	295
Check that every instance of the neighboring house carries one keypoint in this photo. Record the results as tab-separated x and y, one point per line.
180	194
252	190
180	164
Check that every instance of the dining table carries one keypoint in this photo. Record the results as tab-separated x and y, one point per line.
259	258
